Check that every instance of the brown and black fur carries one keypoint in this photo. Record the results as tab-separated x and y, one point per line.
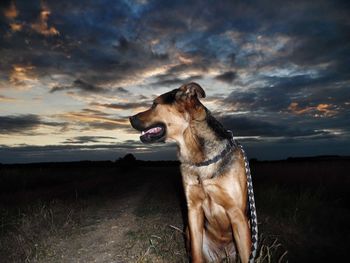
216	194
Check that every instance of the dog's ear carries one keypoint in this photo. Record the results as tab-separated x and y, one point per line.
189	95
190	90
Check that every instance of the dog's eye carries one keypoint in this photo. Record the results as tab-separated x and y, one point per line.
154	105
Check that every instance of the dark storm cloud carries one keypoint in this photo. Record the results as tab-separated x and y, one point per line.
89	45
112	38
77	152
170	80
245	126
87	139
25	124
107	43
136	50
81	86
322	39
227	77
123	106
100	43
94	112
19	124
280	92
121	90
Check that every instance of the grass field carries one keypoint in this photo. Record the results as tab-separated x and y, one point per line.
134	212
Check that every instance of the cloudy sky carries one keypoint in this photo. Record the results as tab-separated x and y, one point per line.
275	72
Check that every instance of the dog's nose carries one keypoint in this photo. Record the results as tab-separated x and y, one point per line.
132	119
135	122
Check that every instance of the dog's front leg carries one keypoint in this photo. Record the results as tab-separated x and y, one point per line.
241	232
195	221
194	195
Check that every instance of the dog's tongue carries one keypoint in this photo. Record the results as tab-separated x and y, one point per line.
152	131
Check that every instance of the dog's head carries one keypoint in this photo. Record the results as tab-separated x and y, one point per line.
170	114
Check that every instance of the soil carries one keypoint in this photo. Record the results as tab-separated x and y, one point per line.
119	230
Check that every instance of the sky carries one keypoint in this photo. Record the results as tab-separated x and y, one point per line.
71	72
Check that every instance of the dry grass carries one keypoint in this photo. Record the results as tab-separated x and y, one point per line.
25	232
271	251
167	246
294	219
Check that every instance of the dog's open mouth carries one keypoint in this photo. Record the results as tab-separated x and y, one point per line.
155	133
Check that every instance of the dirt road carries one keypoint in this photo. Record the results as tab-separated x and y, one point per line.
125	228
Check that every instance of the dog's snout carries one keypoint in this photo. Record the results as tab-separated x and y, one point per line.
135	122
132	119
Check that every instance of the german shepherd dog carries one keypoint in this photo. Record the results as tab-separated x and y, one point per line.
215	175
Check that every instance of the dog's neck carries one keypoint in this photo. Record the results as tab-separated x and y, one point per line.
202	140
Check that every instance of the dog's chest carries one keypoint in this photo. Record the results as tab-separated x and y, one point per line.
210	194
217	193
213	208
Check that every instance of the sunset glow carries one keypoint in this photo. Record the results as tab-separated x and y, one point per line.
72	72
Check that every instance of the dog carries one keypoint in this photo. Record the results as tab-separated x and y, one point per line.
215	174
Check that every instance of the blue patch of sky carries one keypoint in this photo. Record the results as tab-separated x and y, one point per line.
136	7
